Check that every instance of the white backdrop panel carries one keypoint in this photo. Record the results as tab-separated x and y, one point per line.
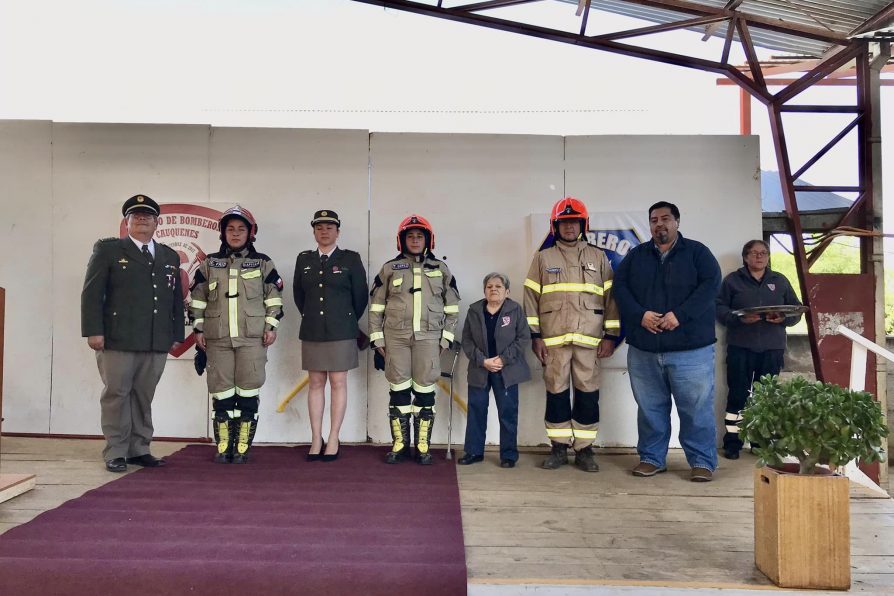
26	272
282	177
714	180
96	168
477	191
481	192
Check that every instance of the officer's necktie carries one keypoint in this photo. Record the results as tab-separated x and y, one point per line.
148	255
323	259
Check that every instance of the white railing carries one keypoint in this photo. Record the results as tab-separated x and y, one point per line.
860	348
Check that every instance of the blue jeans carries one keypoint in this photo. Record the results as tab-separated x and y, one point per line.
507	408
688	376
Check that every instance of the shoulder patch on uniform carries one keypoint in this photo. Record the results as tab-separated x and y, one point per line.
251	264
553	269
400	266
217	263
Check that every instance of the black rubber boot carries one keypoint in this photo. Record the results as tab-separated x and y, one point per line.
558	457
585	459
246	428
224	438
400	435
425	420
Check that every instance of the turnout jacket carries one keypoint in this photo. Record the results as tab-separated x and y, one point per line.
568	296
137	306
331	299
413	296
236	295
686	283
741	290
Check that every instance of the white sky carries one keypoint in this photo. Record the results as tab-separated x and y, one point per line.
342	64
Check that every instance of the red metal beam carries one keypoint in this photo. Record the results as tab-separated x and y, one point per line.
573	39
823	83
486	5
753	63
797	232
819	72
768	23
882	18
728	40
661	28
819	155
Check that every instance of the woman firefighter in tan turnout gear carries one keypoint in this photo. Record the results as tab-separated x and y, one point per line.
236	306
412	317
574	322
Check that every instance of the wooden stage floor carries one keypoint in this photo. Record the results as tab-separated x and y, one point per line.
533	527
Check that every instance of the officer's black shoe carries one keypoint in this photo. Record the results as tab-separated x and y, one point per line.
507	463
730	453
585	460
395	457
116	465
424	459
147	461
468	458
558	457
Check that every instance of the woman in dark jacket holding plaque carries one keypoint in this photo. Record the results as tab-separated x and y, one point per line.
755	342
494	338
331	294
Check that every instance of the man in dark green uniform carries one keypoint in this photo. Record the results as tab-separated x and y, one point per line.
131	314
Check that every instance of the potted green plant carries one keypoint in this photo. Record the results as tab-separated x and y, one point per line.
802	520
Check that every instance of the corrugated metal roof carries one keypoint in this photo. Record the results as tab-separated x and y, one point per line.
839	17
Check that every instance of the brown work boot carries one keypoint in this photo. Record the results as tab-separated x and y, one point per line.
558	457
701	475
585	460
645	469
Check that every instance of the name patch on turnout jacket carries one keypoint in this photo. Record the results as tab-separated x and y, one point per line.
553	269
251	264
217	263
400	266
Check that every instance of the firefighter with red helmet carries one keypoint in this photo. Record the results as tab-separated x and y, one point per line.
236	305
412	317
574	321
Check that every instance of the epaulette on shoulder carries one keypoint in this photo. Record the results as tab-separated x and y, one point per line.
305	252
107	240
397	258
432	257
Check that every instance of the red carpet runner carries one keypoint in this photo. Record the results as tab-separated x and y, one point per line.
278	525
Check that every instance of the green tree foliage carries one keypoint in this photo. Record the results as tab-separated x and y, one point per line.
818	423
842	256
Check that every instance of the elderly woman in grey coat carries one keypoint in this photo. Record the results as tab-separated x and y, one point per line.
494	339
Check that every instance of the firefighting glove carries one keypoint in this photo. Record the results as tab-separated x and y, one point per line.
379	360
200	361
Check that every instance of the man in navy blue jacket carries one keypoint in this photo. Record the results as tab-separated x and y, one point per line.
666	291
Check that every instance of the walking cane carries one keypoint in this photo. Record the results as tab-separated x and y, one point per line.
455	348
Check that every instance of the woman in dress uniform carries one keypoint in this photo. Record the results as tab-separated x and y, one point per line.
331	294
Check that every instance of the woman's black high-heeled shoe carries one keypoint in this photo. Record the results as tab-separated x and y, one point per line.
330	457
316	456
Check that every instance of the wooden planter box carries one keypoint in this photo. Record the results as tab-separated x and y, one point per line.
802	529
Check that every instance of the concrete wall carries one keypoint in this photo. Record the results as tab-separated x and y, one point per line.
62	185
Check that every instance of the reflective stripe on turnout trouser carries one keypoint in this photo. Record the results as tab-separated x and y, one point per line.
412	363
235	371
